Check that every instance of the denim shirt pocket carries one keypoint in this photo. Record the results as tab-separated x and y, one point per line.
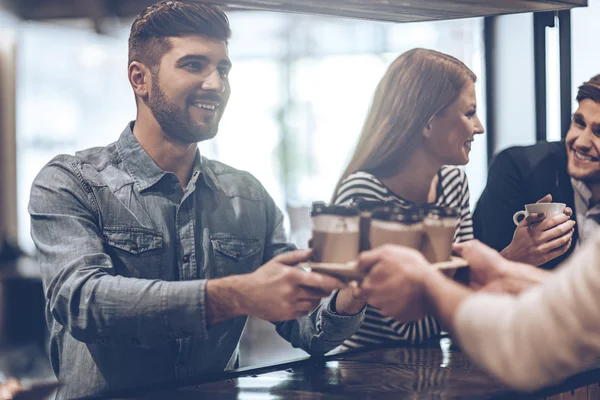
136	252
234	254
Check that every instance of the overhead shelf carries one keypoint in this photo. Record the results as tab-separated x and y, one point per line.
407	10
383	10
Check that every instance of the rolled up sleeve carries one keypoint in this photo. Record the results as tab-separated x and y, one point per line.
322	330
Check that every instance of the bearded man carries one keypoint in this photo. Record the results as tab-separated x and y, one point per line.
153	256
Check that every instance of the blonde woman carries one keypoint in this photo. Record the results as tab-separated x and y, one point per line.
421	124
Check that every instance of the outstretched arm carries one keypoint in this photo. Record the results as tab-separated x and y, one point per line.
528	341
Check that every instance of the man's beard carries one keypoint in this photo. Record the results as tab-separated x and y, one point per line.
177	123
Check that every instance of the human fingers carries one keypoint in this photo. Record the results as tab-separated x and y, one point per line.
546	199
470	245
532	219
310	293
294	257
368	258
552	221
357	293
561	249
319	281
476	252
557	231
459	248
568	212
557	243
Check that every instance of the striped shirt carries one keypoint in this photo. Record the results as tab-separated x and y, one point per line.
453	191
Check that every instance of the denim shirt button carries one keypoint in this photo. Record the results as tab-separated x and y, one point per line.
186	258
134	247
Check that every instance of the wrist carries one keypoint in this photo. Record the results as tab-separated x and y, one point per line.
345	303
443	297
507	253
429	279
224	299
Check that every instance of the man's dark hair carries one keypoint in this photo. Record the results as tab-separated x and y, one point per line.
590	90
150	30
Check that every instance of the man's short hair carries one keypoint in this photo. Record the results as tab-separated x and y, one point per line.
148	40
590	90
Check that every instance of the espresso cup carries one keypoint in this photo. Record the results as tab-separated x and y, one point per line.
536	208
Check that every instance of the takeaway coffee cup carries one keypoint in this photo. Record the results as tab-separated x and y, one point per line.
335	233
440	226
536	208
366	209
395	225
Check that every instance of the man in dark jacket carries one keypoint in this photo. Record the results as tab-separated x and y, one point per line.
563	172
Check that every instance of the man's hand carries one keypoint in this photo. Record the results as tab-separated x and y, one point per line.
395	281
486	265
489	271
538	239
278	292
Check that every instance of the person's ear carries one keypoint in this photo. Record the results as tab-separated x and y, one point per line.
140	79
428	127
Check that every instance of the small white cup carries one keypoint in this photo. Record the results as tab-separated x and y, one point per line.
536	208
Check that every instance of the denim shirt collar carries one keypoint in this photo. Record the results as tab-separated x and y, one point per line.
142	167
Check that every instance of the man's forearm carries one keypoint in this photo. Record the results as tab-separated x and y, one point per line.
444	297
526	273
223	300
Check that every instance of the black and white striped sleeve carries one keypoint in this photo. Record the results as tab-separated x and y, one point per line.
465	223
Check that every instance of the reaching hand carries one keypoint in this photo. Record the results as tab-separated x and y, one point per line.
491	272
394	281
485	264
278	292
539	239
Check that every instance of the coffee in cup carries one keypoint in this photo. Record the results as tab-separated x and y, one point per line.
335	233
536	208
440	227
395	225
366	208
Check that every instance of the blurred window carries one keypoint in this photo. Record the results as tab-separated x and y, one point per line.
301	87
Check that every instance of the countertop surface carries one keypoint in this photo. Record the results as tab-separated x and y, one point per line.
431	371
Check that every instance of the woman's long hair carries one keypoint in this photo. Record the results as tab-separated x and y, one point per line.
418	85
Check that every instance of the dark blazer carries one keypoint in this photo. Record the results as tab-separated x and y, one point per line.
518	176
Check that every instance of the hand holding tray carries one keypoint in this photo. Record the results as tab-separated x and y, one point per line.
348	272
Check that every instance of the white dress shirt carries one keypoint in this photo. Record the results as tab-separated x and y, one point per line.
542	336
588	218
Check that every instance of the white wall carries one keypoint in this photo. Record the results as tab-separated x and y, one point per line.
514	85
585	44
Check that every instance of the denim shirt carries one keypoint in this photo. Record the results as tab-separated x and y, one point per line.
125	253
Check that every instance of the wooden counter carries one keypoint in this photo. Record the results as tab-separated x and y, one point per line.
426	372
